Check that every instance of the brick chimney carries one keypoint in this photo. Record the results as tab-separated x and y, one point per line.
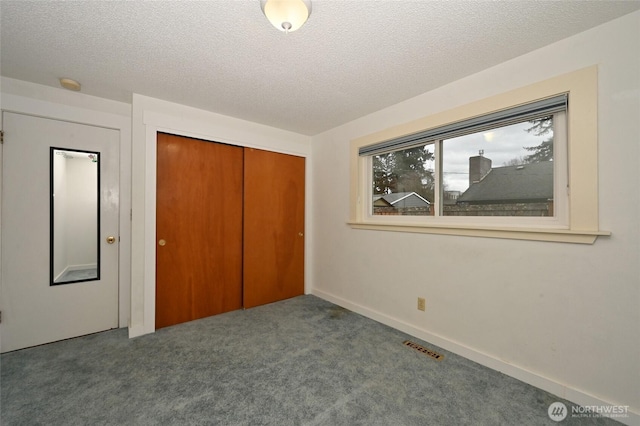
479	166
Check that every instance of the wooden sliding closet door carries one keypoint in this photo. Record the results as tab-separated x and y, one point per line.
198	229
273	227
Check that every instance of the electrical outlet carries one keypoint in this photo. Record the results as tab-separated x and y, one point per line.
421	304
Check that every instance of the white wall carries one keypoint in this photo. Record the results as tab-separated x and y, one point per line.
60	215
564	317
82	212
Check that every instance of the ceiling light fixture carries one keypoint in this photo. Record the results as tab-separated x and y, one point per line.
286	15
70	84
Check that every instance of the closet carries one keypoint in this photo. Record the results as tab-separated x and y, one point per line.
229	228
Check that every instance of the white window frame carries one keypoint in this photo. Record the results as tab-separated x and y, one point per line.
575	160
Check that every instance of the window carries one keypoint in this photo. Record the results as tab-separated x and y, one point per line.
496	168
506	171
500	164
403	182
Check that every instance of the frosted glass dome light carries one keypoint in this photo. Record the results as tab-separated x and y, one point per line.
286	15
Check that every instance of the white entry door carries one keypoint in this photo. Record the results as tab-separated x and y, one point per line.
59	224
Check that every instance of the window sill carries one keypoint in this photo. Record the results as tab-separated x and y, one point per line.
531	234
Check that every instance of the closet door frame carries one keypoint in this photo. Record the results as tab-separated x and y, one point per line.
151	116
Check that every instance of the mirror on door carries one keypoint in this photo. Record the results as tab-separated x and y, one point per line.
74	210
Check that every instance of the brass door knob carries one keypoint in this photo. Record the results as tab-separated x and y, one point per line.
162	243
111	239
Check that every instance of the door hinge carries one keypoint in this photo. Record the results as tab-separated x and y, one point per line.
0	316
1	136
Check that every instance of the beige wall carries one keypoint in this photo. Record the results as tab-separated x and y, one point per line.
561	316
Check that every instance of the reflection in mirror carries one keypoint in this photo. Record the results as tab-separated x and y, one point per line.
75	206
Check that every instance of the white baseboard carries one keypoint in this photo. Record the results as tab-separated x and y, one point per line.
64	271
75	268
563	391
82	267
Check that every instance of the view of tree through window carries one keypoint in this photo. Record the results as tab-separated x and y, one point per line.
404	181
506	171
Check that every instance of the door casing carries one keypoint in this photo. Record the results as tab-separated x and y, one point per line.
151	116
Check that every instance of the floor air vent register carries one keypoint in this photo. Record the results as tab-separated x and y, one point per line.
426	351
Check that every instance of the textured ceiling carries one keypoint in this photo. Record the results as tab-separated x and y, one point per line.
350	59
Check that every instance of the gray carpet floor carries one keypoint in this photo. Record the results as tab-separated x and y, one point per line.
302	361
